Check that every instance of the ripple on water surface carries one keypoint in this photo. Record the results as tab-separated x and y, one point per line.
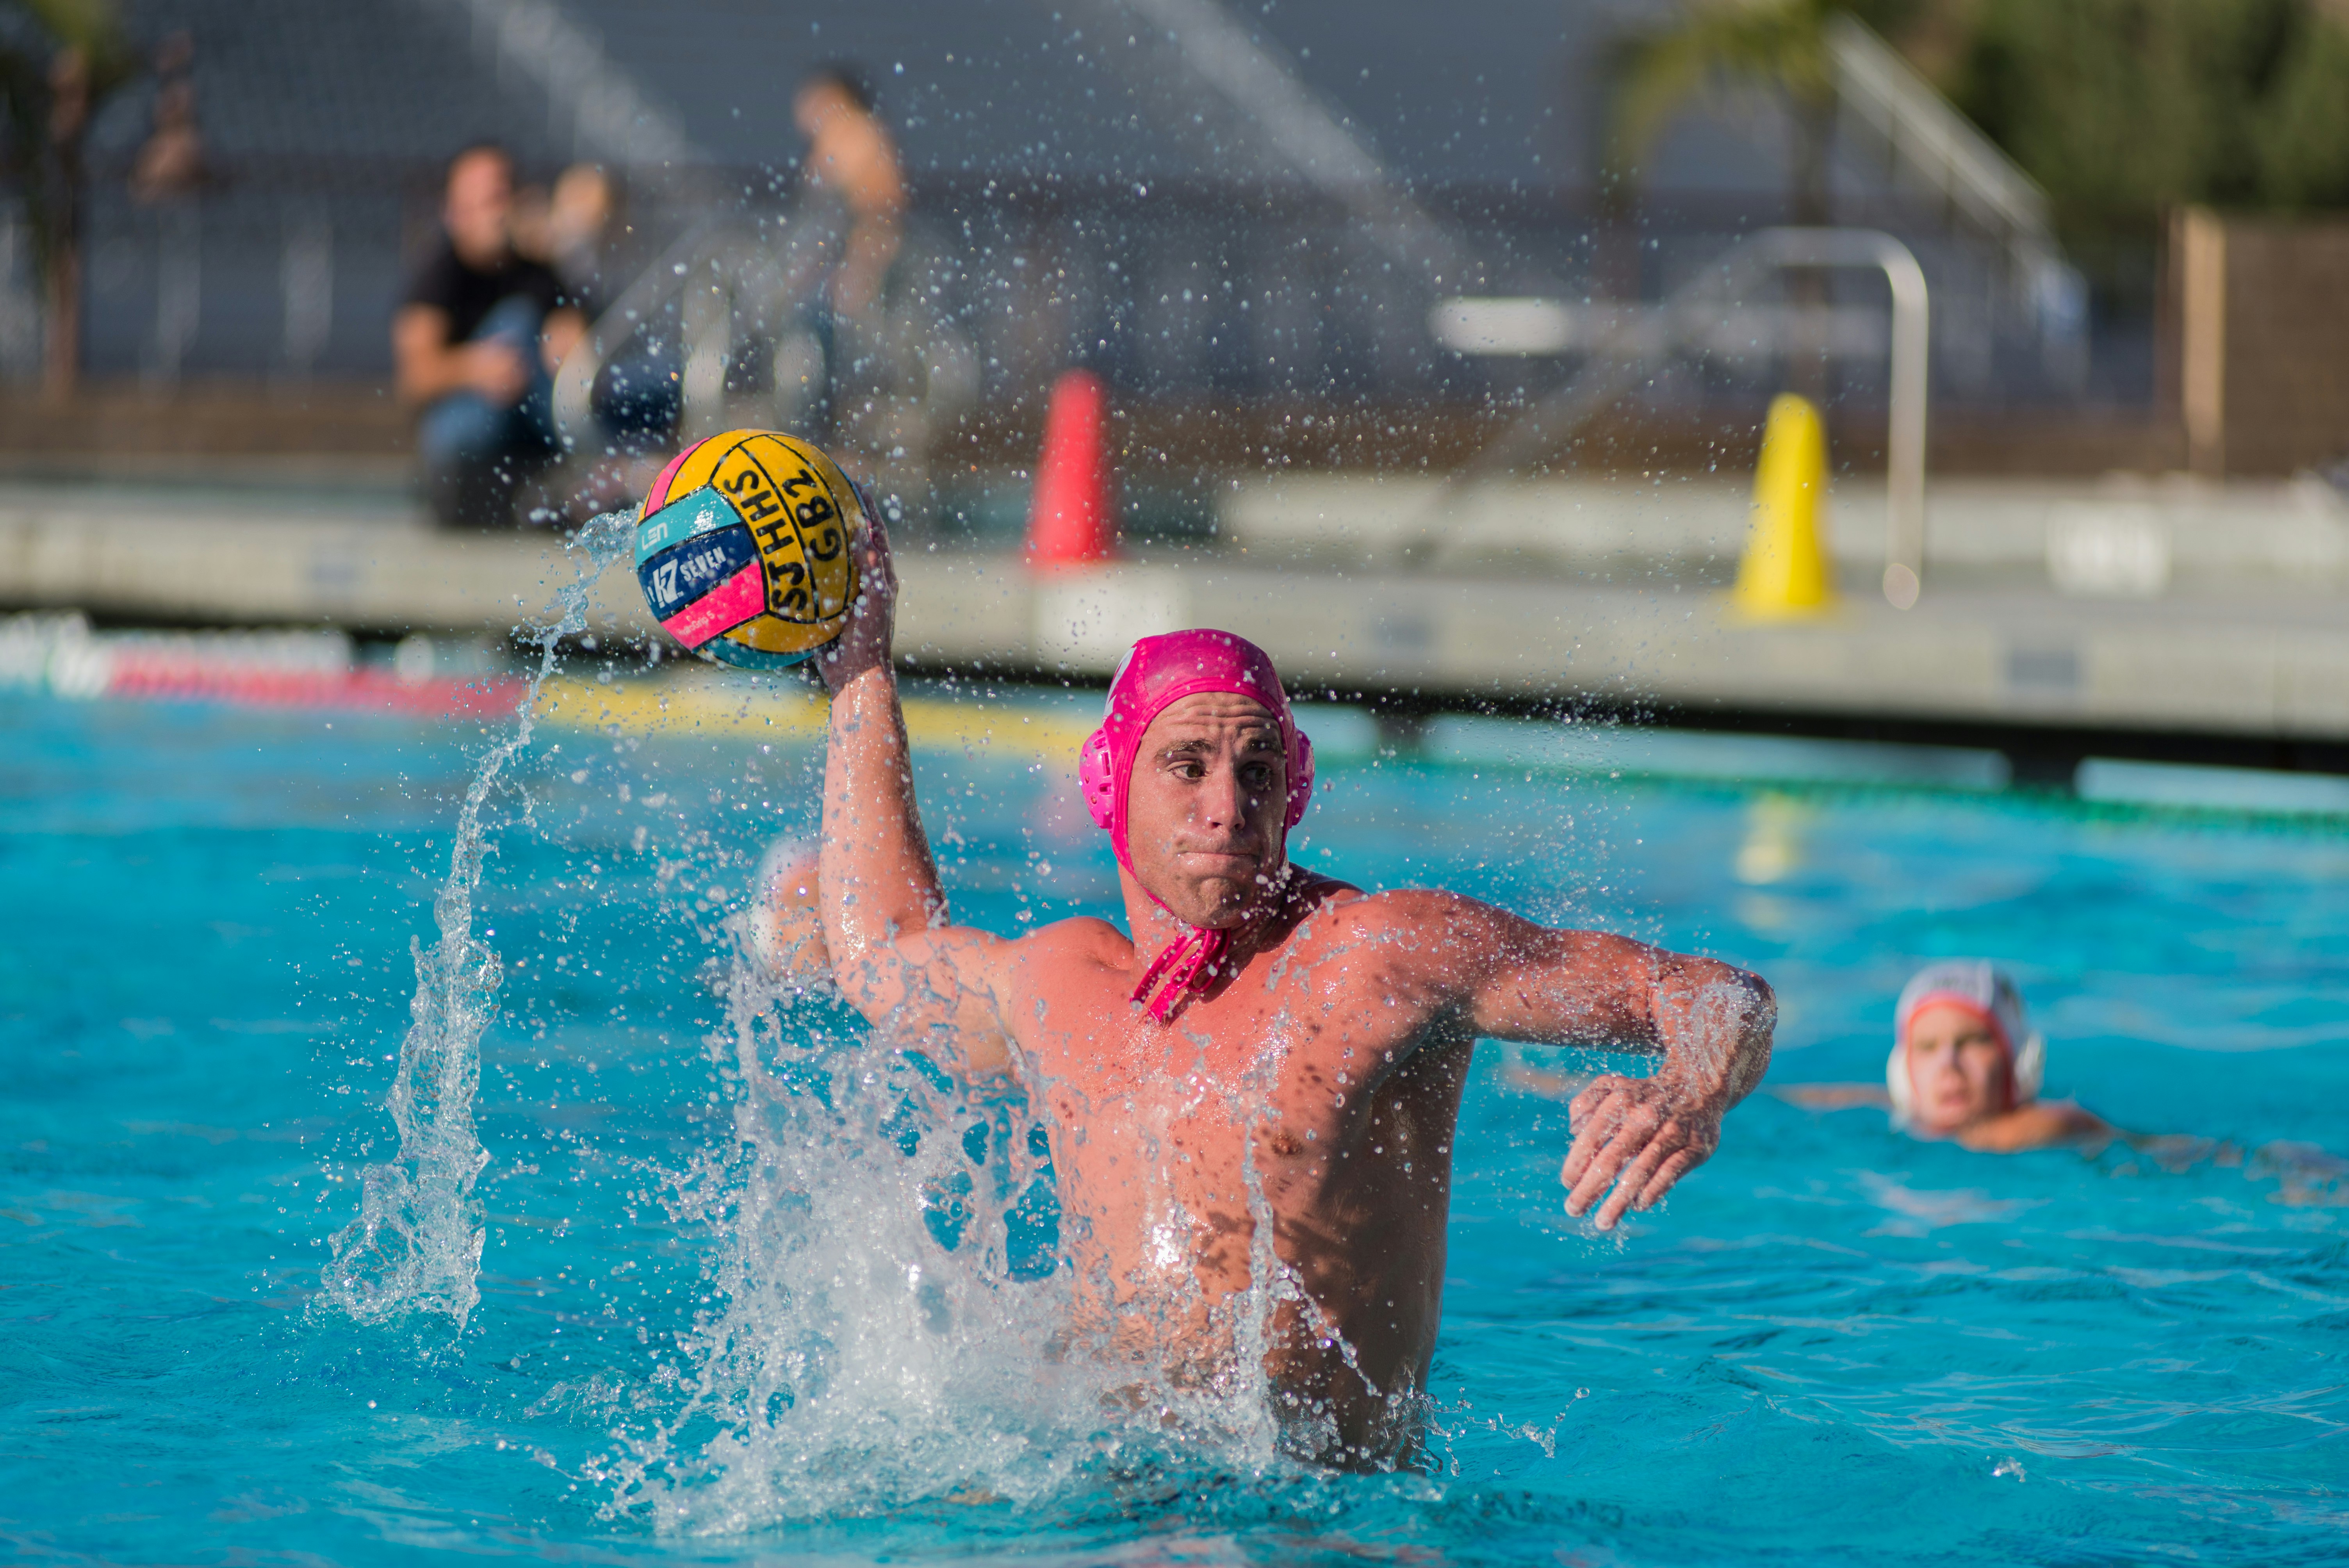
719	1316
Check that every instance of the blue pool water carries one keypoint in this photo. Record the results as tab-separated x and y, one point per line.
695	1337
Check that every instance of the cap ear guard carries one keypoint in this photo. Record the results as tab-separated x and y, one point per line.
1897	1084
1094	780
1300	776
2030	1067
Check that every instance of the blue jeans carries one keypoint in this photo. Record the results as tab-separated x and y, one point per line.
475	453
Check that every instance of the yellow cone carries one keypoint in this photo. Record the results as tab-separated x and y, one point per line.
1784	572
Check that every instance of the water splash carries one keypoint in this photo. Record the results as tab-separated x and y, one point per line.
416	1245
870	1337
884	1329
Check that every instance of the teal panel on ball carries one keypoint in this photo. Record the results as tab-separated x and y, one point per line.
727	651
695	511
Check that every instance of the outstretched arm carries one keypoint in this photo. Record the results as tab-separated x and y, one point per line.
1834	1096
884	916
1712	1024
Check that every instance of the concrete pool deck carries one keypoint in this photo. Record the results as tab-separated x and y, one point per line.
2245	652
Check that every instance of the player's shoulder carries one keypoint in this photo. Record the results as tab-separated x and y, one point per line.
1834	1096
2077	1123
1347	925
1397	909
1081	938
2043	1124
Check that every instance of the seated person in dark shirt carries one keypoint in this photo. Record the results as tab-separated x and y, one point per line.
475	343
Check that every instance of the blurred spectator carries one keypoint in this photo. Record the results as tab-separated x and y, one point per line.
636	398
851	168
475	343
577	219
564	229
874	371
851	156
171	161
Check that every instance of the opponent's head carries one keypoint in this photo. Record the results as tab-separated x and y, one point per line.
1961	1049
1198	771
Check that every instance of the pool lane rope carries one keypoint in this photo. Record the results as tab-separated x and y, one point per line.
306	669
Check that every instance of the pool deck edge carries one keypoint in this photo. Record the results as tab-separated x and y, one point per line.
2254	666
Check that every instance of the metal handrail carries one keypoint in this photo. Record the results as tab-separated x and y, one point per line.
1921	130
1904	444
1633	349
711	255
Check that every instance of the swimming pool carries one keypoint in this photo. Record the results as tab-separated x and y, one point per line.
695	1338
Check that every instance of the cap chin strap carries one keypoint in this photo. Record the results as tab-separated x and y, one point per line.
1189	963
1192	962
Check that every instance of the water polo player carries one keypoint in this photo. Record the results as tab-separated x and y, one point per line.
1268	1043
1964	1066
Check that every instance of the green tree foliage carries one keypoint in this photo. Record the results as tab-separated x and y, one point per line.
59	59
1777	45
2122	109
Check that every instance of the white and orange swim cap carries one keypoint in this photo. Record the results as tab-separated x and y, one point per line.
1983	989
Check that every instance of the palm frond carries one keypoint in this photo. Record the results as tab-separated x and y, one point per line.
1778	44
93	27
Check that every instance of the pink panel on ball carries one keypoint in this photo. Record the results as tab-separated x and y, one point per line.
658	497
722	609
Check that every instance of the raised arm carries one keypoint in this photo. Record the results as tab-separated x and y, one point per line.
1711	1023
884	916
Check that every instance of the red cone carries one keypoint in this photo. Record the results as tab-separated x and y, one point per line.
1074	520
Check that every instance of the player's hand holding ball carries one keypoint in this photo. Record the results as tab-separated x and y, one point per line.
865	642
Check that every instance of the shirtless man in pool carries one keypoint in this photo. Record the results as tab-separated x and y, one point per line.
1287	1031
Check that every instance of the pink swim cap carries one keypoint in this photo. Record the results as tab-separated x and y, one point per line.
1157	672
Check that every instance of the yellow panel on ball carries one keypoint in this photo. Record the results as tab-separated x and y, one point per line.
742	548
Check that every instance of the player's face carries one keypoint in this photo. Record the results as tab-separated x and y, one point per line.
1205	809
1956	1070
479	209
